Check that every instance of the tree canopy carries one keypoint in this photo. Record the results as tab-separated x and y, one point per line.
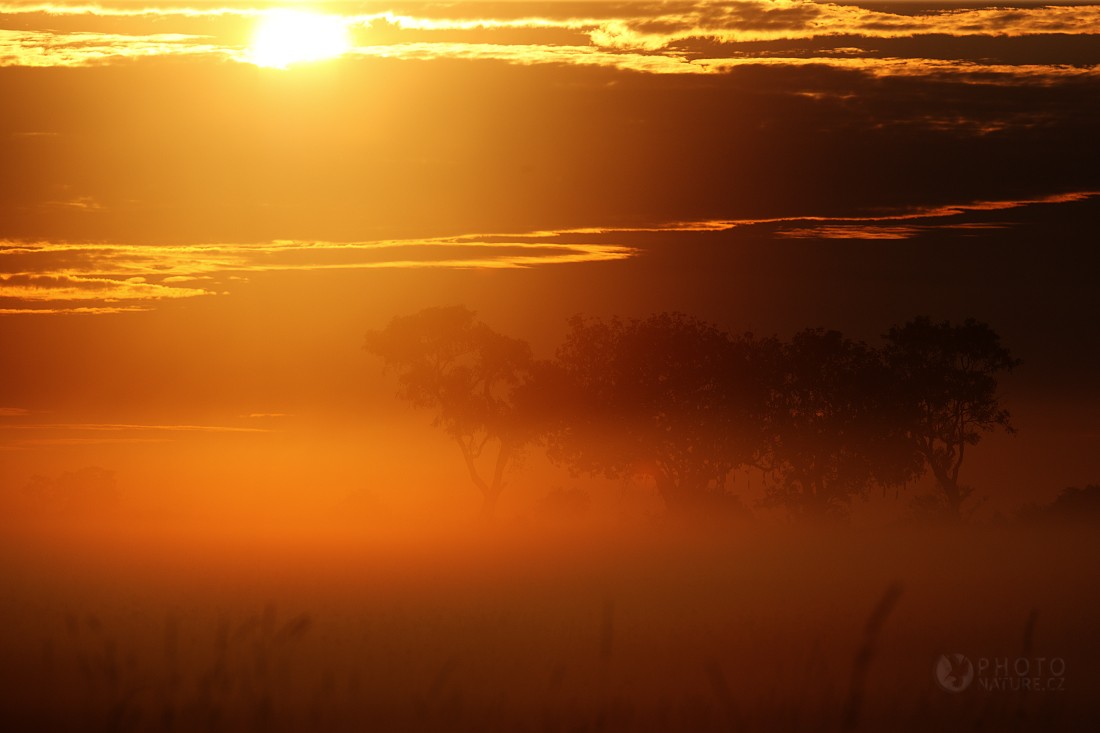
686	404
669	397
831	425
946	375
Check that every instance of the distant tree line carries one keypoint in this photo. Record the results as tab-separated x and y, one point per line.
686	404
1073	504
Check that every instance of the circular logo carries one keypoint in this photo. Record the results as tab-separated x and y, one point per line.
954	672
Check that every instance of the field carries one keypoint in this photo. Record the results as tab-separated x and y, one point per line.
533	628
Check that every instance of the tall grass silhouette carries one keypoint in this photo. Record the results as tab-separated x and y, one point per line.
649	633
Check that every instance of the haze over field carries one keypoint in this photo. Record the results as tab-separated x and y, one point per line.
534	345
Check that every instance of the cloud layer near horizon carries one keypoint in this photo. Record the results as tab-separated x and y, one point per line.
50	278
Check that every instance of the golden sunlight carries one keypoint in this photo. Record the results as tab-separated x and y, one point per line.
285	37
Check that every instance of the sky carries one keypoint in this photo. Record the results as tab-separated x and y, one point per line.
204	206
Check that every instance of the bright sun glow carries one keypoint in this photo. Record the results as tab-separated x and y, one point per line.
286	37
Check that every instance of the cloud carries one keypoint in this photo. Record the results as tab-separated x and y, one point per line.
81	203
40	49
21	436
63	277
30	292
77	310
767	20
128	428
45	442
72	278
653	25
887	227
659	63
13	412
50	49
48	287
851	231
854	223
642	37
963	70
877	230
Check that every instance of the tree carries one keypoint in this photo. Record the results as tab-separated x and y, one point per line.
946	375
1073	505
670	398
87	491
832	426
475	380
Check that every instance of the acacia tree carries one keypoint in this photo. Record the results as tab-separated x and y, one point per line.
475	380
947	376
832	426
669	397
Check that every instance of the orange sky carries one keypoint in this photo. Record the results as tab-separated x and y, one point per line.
192	245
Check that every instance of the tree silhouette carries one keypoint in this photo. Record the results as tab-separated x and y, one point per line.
669	397
946	375
87	491
472	377
1073	505
832	426
677	400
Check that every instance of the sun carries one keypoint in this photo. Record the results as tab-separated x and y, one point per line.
285	37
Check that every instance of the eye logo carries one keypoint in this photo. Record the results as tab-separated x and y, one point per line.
954	672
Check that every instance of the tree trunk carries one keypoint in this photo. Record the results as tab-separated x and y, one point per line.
681	498
950	488
815	501
666	488
489	505
490	492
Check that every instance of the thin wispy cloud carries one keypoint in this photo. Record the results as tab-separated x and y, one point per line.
918	212
851	231
23	436
26	443
97	279
886	227
878	230
676	63
132	427
77	310
969	71
48	287
64	277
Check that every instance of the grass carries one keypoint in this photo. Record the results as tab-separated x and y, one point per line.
543	631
